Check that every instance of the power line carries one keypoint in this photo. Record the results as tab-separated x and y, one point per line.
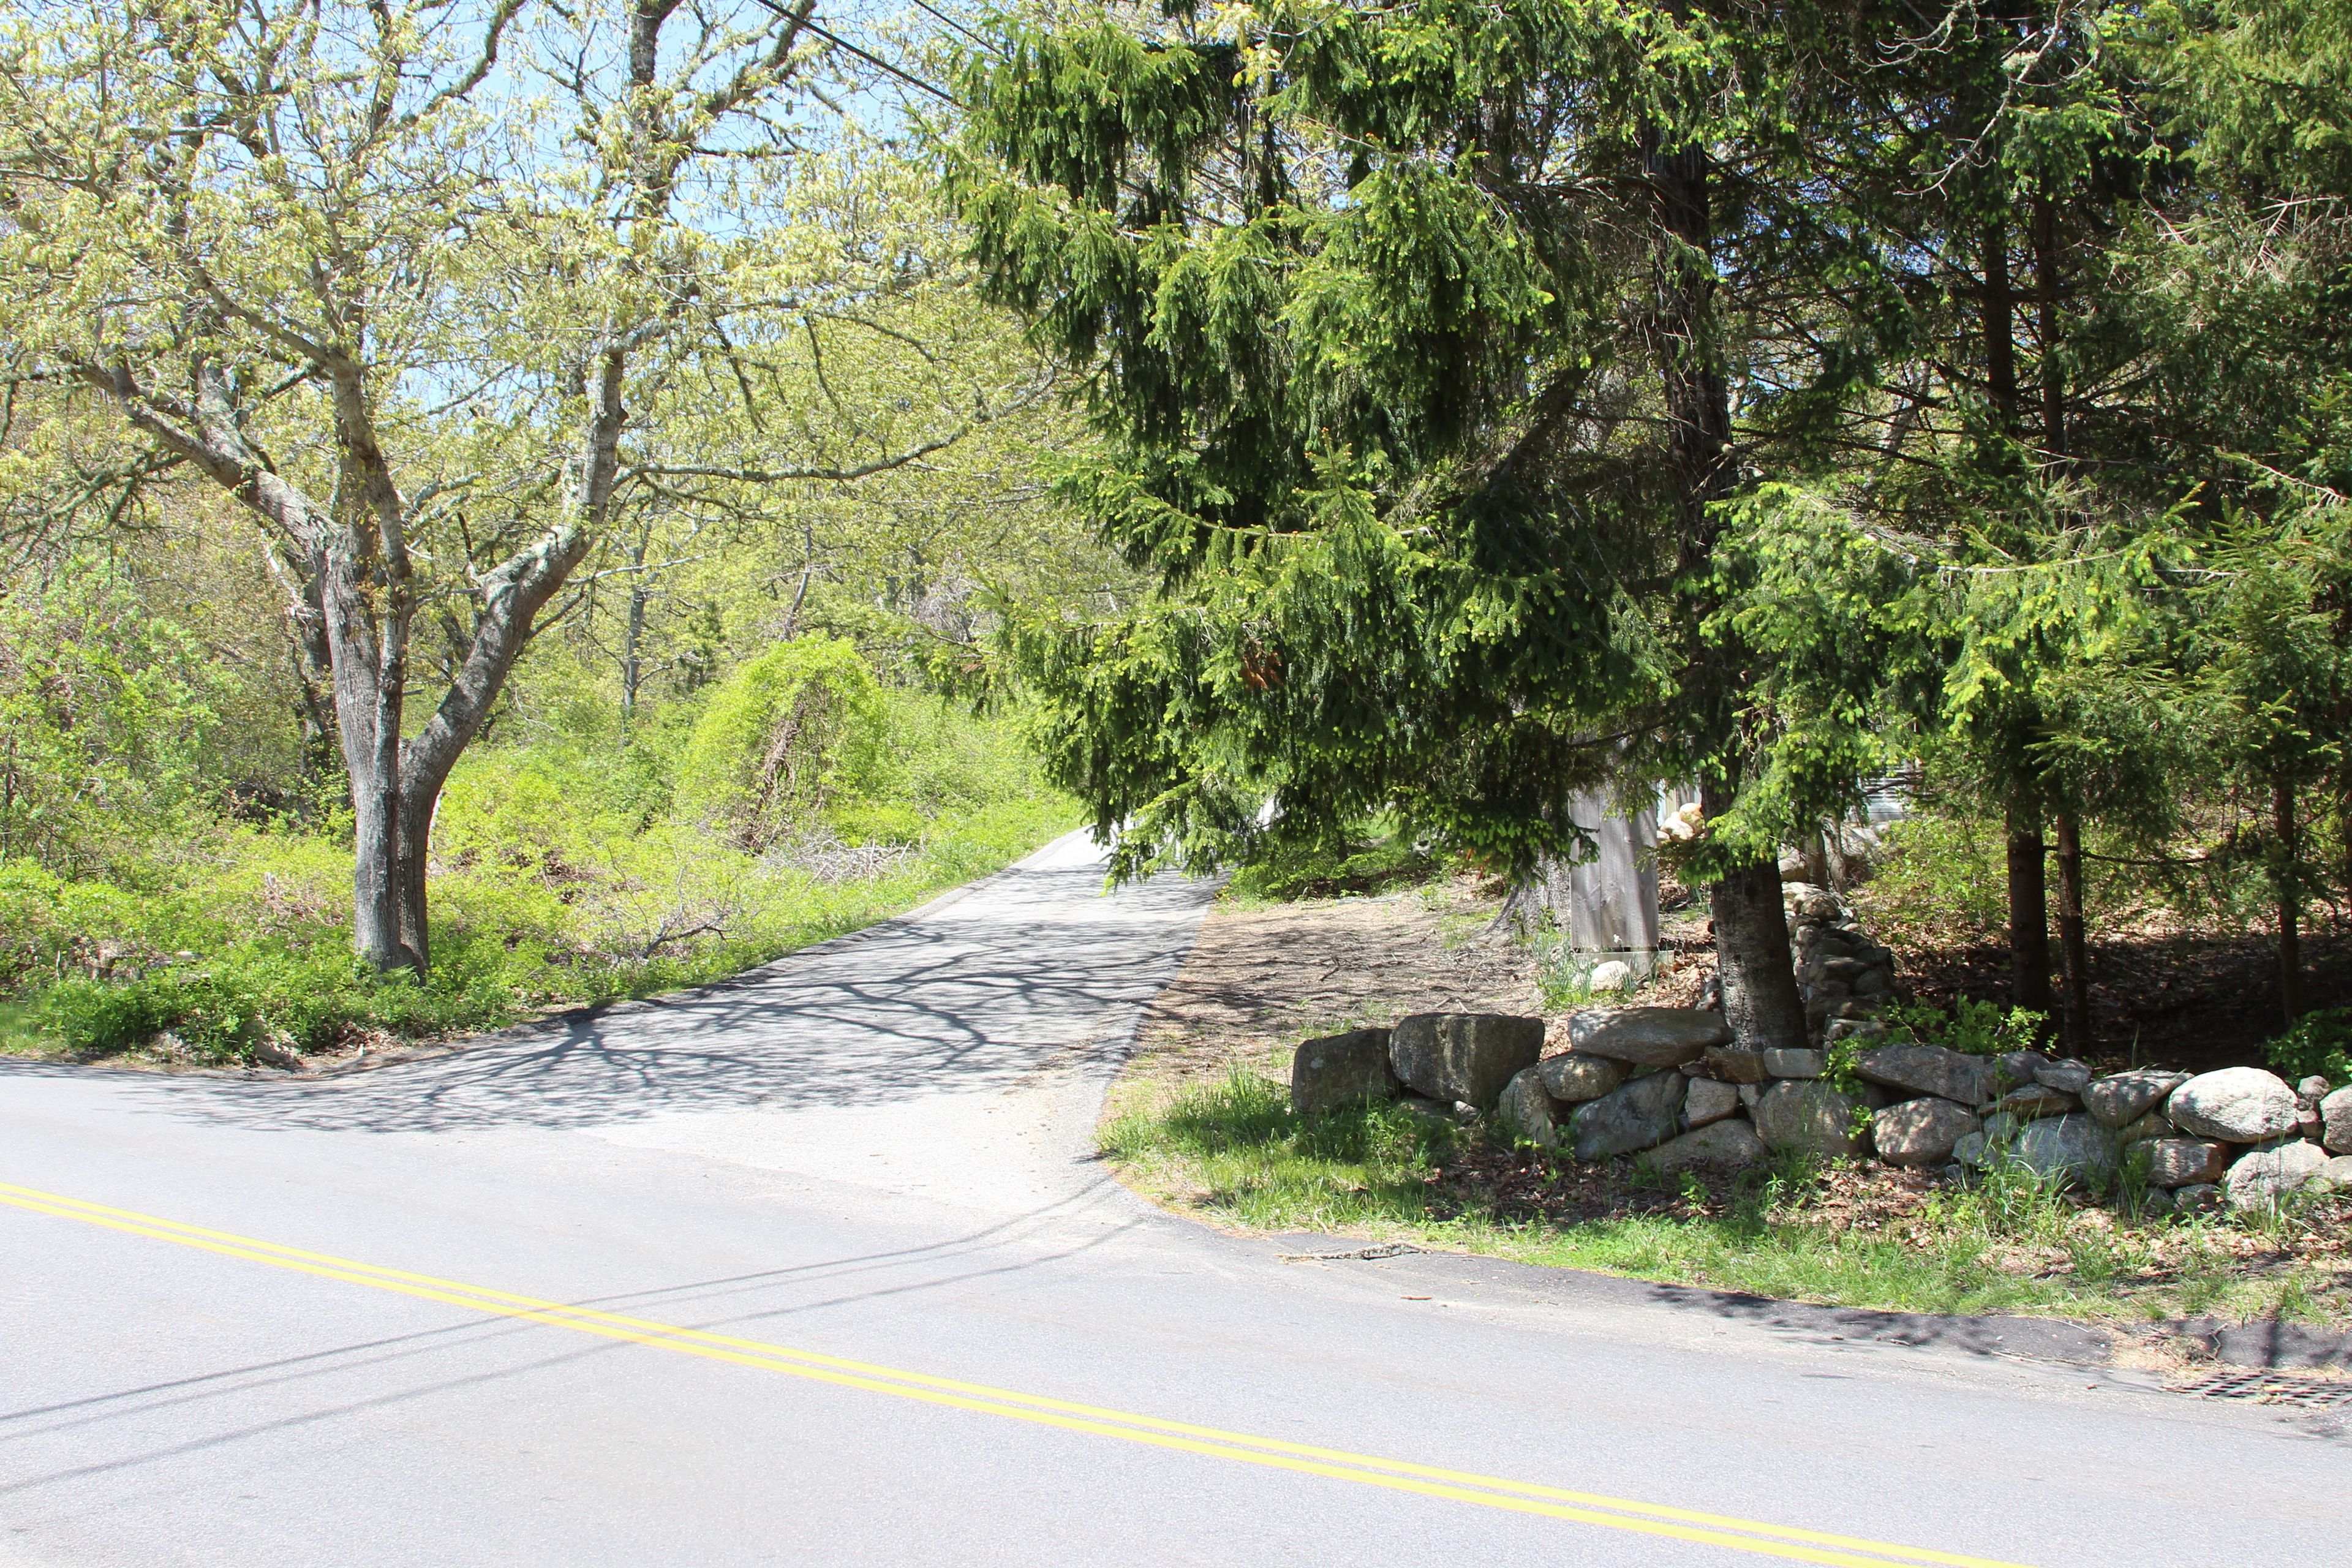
874	60
950	21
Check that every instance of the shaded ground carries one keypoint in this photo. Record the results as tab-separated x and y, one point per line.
2160	996
2185	1001
1261	979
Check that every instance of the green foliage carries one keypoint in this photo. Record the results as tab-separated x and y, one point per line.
223	1010
799	726
2317	1043
1378	418
1939	880
1978	1028
104	706
1370	856
557	885
1842	1074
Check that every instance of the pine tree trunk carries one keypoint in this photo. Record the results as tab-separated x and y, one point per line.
2072	948
2047	286
2343	835
2000	327
2290	900
2029	909
1753	960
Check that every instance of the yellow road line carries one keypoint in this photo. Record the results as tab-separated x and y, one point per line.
1489	1491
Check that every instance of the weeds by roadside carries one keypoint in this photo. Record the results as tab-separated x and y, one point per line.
1830	1233
244	950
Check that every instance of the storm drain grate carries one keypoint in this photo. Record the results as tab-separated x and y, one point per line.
2270	1388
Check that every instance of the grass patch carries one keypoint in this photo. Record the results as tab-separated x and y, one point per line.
1799	1230
22	1032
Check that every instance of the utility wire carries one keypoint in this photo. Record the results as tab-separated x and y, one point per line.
874	60
943	17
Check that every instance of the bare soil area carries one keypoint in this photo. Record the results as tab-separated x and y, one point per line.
2195	1001
1261	978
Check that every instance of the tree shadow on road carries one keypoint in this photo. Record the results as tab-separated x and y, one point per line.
1035	970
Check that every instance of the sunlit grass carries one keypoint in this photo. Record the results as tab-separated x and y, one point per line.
21	1030
1235	1153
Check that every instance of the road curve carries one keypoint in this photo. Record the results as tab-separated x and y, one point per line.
813	1267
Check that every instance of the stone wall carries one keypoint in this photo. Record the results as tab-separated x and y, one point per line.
1668	1084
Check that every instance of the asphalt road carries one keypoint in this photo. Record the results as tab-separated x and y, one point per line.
813	1268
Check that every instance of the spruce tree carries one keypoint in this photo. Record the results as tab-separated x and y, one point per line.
1413	335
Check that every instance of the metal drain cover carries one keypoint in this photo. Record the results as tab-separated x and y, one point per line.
2269	1388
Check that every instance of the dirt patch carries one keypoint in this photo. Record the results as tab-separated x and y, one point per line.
2162	994
2189	1000
1261	978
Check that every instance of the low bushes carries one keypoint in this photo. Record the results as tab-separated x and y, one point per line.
561	875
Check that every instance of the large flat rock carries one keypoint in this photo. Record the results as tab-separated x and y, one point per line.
2070	1149
1648	1037
1807	1115
1575	1078
1341	1069
1920	1132
1638	1115
2122	1098
1464	1057
2185	1162
1730	1145
1919	1069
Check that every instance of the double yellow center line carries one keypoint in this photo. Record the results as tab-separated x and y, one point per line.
1363	1470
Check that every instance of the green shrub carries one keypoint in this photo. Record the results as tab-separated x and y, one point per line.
2318	1043
1939	882
222	1009
1372	856
801	726
1978	1028
558	879
104	707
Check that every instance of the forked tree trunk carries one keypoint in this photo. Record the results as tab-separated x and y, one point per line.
358	598
2073	949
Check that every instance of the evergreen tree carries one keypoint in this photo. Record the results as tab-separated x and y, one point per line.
1414	335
